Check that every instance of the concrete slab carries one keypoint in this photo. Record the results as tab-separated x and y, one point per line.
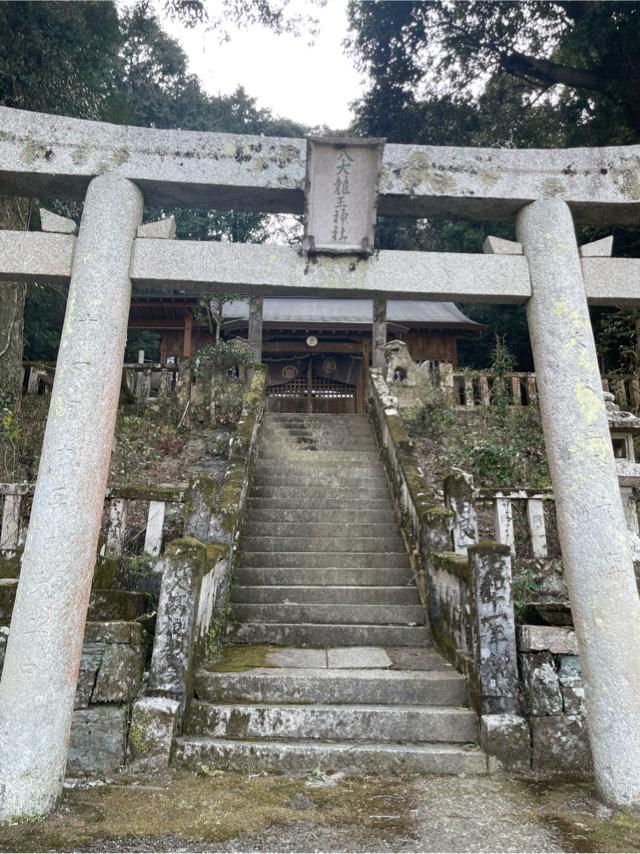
296	657
363	657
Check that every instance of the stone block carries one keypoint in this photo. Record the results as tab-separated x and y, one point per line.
153	727
571	687
162	228
98	739
541	686
90	662
116	632
560	743
506	740
56	223
4	635
119	675
499	246
560	640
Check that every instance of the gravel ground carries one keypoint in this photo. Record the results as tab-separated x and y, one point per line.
228	812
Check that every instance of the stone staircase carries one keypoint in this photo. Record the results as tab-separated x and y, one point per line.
329	662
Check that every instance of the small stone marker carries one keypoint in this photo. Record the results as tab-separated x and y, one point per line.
341	195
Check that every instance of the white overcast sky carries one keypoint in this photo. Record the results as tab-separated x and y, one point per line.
310	83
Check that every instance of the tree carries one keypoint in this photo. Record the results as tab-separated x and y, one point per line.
528	74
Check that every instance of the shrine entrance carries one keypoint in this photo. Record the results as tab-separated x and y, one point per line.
329	383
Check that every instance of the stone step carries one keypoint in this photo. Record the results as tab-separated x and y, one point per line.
323	430
295	493
399	559
301	757
339	481
359	469
328	634
316	502
332	722
330	576
336	458
255	528
325	544
353	614
311	685
260	516
346	595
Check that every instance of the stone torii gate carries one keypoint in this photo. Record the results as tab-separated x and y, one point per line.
114	169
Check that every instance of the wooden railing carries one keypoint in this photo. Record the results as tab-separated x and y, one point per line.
130	513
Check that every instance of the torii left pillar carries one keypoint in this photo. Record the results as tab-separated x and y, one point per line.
45	640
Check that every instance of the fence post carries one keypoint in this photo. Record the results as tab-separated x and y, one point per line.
493	621
459	498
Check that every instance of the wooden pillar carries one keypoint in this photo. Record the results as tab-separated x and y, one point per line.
379	333
186	344
310	386
255	328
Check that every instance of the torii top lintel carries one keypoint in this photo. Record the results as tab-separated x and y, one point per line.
50	155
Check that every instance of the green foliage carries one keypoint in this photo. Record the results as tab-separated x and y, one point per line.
525	588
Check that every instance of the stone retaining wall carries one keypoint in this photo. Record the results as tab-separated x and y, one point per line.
111	671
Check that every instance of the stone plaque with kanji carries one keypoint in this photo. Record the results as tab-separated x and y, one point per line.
341	195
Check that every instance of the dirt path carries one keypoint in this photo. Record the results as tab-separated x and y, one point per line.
229	812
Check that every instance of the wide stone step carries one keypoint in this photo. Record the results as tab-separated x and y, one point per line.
322	558
260	516
316	469
341	483
293	612
295	493
346	595
332	722
301	757
317	502
330	576
311	685
254	528
328	634
325	544
335	457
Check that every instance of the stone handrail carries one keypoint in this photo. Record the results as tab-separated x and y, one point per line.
464	621
194	590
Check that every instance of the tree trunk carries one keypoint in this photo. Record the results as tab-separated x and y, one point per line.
14	214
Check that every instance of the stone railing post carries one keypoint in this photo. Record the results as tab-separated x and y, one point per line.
379	334
460	499
596	552
495	686
45	642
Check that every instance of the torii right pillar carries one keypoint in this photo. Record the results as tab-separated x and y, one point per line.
596	552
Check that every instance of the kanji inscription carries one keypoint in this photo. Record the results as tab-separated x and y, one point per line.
341	195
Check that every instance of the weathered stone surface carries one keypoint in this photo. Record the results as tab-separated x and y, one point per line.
4	634
37	691
185	564
98	738
164	229
506	740
116	632
152	730
59	224
460	499
556	639
500	246
571	687
92	654
119	675
57	156
358	657
597	248
496	665
116	605
541	686
560	743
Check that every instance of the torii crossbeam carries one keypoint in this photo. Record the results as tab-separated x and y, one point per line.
114	169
